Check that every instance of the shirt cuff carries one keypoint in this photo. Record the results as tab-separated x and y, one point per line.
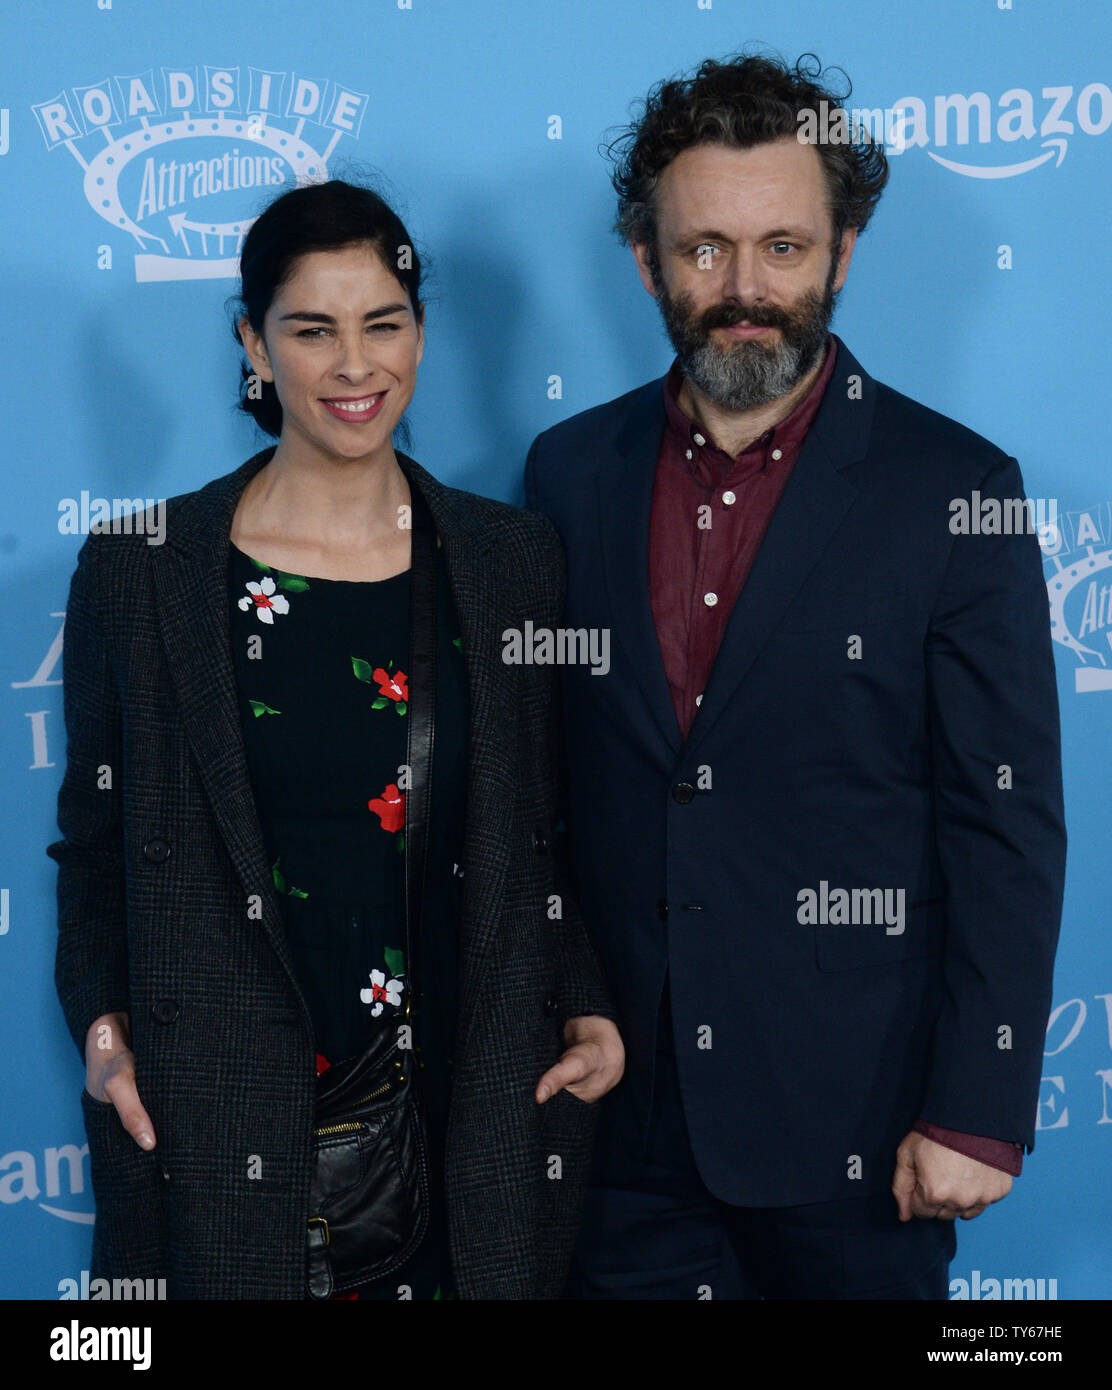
997	1153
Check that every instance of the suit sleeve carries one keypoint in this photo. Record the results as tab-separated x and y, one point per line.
90	969
580	988
999	824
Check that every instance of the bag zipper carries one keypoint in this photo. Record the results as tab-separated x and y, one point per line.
355	1124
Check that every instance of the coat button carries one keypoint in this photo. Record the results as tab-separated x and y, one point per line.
683	792
157	851
540	841
164	1010
551	1005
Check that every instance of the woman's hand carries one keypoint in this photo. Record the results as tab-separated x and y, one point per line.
110	1074
593	1063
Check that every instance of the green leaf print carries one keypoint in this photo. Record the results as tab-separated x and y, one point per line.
296	583
280	882
260	707
457	642
401	706
362	670
395	961
380	703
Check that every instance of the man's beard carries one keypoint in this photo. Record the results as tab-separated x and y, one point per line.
751	372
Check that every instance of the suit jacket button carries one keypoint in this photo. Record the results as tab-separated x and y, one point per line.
157	851
683	792
551	1005
165	1010
540	841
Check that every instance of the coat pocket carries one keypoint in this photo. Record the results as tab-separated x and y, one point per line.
127	1182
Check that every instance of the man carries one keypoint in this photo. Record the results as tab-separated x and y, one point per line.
815	806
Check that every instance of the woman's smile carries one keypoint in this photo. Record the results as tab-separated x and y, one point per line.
354	410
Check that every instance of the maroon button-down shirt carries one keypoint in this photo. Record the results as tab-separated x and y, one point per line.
709	515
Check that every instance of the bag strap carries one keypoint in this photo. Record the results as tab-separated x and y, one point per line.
421	721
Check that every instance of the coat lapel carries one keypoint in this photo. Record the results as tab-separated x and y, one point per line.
191	581
190	572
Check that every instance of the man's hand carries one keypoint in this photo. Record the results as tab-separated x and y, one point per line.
591	1066
932	1180
110	1074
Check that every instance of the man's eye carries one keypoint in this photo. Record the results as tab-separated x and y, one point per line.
311	332
384	327
783	245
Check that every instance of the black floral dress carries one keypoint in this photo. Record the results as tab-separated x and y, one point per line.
320	667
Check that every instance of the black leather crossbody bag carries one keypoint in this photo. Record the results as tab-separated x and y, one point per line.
369	1203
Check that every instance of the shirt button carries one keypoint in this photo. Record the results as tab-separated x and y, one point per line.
683	792
777	453
699	439
729	498
688	454
710	600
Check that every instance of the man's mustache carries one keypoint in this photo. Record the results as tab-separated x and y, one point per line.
727	315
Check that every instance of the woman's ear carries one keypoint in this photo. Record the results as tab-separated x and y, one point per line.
255	348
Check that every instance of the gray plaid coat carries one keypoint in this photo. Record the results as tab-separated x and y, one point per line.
167	911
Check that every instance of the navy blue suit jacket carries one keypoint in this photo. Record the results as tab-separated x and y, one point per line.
882	714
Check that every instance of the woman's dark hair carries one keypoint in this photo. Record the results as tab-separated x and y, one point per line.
744	101
316	217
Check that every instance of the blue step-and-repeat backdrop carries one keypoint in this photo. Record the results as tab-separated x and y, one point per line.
980	288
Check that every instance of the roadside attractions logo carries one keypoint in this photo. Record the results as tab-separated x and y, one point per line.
175	159
1079	586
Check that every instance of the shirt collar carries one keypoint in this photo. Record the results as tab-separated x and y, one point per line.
787	435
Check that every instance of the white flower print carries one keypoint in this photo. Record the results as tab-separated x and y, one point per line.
265	598
382	991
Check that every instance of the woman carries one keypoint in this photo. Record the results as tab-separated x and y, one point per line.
232	877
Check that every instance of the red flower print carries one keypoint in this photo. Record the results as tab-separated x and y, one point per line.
394	687
322	1063
390	808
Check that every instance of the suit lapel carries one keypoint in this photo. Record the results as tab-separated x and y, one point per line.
624	491
813	504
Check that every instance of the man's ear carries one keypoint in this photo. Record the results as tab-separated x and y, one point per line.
642	254
845	255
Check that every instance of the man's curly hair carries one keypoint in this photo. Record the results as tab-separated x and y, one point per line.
746	100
